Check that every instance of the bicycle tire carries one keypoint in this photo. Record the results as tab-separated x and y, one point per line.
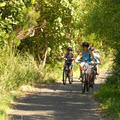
86	83
83	84
64	77
83	87
93	79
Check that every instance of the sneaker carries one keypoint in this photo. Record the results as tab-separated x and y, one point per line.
80	77
97	73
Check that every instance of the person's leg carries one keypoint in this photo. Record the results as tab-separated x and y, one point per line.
81	70
70	69
97	67
80	73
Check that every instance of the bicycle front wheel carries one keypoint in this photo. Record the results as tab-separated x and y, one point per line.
64	77
83	84
86	83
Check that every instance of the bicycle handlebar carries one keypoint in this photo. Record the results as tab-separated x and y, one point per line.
69	58
90	63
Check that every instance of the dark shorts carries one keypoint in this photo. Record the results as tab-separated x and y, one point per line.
69	65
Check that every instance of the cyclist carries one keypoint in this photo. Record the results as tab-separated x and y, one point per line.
69	57
97	58
85	55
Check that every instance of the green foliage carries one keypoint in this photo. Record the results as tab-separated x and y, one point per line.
12	20
16	70
45	28
53	31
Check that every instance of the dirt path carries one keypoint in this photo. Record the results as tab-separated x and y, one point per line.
58	102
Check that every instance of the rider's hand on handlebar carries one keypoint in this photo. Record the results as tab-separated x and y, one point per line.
73	58
93	62
65	58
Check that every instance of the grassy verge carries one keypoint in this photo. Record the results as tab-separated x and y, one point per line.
109	96
15	71
18	72
109	93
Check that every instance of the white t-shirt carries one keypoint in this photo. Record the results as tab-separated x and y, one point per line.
97	56
77	59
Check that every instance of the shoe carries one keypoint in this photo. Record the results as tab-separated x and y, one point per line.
80	77
97	73
91	86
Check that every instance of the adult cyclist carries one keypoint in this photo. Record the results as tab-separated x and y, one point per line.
85	55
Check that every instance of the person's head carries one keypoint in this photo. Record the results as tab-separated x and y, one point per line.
97	51
92	49
85	46
69	50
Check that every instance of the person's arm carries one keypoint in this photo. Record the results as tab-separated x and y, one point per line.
73	58
98	55
63	57
79	57
92	56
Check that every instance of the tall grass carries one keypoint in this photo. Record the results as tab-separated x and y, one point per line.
15	70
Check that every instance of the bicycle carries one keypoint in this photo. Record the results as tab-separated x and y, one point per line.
85	79
66	75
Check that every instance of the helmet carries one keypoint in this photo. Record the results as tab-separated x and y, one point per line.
69	49
92	48
86	44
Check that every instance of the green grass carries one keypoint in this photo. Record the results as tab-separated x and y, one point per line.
15	71
109	96
18	73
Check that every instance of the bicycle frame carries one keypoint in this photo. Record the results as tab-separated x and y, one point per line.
66	69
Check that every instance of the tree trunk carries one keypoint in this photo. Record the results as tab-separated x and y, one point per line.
46	50
45	58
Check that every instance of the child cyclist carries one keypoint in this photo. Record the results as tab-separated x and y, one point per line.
97	58
69	57
85	55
